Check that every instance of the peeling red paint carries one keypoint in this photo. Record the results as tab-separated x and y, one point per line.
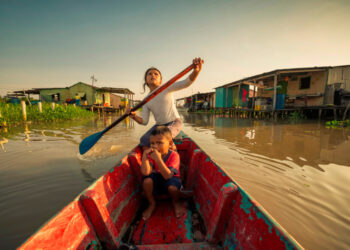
101	216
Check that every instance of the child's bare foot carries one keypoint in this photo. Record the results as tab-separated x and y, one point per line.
179	209
148	212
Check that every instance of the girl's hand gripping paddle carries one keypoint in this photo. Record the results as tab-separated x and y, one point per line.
91	140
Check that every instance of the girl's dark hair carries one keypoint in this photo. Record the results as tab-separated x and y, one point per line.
145	83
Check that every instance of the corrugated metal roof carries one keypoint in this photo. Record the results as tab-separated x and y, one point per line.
280	71
117	90
29	91
107	89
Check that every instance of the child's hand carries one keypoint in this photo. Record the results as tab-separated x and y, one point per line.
146	152
131	114
198	64
155	155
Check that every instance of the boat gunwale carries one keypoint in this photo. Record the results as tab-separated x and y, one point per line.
283	232
254	202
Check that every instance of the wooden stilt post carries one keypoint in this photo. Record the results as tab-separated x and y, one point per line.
346	110
40	106
24	110
253	102
124	101
27	97
335	114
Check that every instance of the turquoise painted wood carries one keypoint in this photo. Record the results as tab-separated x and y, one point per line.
220	98
229	97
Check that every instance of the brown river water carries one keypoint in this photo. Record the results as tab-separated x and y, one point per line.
299	172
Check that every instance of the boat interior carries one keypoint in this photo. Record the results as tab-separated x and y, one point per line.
219	214
124	203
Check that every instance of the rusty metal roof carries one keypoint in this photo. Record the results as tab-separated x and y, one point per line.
279	71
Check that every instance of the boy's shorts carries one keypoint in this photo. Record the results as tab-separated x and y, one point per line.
160	185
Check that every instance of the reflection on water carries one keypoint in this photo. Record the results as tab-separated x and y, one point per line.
26	133
73	131
41	169
303	144
2	142
298	172
88	177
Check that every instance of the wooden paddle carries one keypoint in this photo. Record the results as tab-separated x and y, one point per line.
91	140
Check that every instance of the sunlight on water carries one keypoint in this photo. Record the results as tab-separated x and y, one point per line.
298	172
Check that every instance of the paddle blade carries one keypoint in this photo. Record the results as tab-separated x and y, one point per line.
88	142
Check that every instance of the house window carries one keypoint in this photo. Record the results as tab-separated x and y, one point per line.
305	83
56	97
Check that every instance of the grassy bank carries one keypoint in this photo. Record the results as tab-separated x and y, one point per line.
12	113
338	124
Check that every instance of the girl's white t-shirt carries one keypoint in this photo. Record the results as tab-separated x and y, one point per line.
163	105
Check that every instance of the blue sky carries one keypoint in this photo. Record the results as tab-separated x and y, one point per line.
59	43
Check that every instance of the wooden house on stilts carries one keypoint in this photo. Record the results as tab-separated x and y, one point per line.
302	89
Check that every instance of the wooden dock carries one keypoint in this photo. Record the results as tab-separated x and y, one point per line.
103	109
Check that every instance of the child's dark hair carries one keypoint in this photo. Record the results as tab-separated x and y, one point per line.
162	130
145	83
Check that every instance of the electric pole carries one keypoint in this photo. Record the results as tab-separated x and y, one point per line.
93	79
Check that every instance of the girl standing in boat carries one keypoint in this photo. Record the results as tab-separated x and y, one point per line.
163	105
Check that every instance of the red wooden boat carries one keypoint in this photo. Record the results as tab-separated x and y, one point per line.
219	213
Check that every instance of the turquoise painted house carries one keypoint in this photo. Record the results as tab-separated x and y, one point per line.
232	96
288	88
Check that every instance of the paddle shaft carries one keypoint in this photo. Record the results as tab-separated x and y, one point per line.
150	97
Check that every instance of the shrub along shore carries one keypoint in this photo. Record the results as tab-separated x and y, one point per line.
12	113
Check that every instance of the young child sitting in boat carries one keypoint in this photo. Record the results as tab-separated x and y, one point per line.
160	170
163	105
